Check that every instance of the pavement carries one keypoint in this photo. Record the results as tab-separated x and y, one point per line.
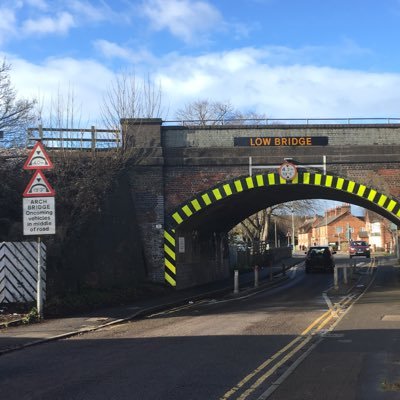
18	335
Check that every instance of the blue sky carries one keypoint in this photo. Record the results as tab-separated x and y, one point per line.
279	58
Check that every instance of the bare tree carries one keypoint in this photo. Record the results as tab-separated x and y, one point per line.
259	225
61	111
206	112
129	97
15	114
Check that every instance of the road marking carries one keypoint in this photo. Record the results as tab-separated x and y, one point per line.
273	369
228	394
308	329
330	305
304	338
298	361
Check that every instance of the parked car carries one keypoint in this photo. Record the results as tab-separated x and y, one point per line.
319	258
359	248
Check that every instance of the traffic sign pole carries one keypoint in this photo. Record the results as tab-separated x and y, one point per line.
39	289
38	209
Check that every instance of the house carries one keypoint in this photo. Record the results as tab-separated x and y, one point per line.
304	233
381	233
336	228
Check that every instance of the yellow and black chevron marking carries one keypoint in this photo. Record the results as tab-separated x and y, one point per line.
170	257
236	186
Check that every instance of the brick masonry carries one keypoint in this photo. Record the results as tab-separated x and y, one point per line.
177	163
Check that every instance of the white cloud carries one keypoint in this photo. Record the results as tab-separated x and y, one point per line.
60	24
244	77
87	78
88	11
7	24
188	20
113	50
39	4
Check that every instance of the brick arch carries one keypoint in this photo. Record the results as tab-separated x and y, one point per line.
187	210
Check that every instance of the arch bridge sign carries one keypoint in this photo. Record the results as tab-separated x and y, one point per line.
38	204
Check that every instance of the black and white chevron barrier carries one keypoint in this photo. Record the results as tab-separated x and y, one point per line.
18	271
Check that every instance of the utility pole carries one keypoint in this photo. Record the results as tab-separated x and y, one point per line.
293	244
326	224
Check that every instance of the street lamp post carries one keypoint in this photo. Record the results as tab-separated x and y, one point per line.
293	244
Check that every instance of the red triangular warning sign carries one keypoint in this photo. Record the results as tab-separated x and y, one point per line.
38	186
38	158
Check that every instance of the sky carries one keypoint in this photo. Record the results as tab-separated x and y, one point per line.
277	58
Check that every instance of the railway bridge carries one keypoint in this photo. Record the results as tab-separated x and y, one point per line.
192	183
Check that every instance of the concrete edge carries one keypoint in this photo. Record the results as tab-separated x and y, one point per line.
15	322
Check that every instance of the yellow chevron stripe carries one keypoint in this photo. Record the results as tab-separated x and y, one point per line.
306	178
249	182
340	183
382	200
187	210
206	199
296	179
228	189
170	252
177	218
350	187
196	205
391	205
318	179
170	266
282	181
260	180
217	194
361	190
171	281
372	195
170	238
238	186
328	180
271	179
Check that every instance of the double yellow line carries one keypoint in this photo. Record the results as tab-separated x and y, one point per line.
299	342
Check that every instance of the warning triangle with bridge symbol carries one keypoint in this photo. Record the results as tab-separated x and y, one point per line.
39	186
38	158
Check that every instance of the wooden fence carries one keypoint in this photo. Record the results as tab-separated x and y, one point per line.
75	139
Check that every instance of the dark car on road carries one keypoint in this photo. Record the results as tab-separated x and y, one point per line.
359	248
320	258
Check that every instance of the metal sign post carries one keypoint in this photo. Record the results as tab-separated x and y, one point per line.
39	297
39	209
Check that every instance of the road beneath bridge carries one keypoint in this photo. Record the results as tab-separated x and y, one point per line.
230	348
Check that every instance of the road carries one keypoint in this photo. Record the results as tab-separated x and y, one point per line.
227	348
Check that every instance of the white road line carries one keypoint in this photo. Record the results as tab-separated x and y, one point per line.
330	305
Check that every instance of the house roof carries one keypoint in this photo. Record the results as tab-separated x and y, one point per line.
329	220
309	224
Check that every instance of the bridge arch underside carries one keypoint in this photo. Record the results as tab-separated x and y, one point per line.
195	246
